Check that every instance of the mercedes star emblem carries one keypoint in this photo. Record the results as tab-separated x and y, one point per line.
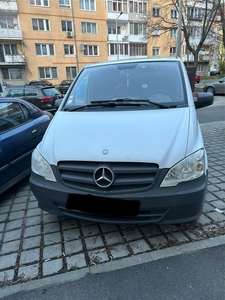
103	177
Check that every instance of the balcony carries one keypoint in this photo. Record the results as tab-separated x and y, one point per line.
204	58
8	6
18	59
113	15
201	58
121	38
10	34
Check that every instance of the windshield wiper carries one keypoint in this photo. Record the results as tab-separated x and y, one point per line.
82	107
105	103
137	102
118	102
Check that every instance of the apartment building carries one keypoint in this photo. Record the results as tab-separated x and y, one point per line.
12	57
54	39
61	36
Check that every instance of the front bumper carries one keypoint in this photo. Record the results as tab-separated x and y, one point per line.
183	203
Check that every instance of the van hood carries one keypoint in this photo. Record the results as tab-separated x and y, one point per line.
157	136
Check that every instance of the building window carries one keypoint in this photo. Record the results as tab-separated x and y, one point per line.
137	49
155	32
156	11
172	51
45	49
66	25
137	7
71	72
6	23
112	29
173	32
200	68
194	13
39	2
47	73
123	49
64	3
69	49
117	5
155	51
196	32
12	73
40	24
91	50
10	49
137	28
89	27
87	4
174	14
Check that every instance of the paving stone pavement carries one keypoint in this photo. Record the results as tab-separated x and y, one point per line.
35	244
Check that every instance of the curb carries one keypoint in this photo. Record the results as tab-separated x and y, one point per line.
114	265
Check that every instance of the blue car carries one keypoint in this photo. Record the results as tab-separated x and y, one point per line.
22	126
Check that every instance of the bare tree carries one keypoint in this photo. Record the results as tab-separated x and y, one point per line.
198	18
222	17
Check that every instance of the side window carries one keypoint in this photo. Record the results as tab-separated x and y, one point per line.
30	92
12	115
15	92
25	116
81	91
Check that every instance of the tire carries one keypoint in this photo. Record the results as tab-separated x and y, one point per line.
210	89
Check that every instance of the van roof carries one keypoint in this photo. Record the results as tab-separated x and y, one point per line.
134	60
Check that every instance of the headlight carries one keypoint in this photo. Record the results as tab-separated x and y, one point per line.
188	169
40	166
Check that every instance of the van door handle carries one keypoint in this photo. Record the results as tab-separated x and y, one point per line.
34	131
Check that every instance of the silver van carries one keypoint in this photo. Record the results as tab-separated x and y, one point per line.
125	146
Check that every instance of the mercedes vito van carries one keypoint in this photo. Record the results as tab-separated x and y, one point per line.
125	146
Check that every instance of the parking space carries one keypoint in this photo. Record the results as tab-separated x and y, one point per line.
35	244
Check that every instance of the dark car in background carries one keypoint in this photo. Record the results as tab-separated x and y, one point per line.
40	82
215	87
64	85
22	126
41	96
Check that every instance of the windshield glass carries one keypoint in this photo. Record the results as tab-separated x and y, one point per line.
159	82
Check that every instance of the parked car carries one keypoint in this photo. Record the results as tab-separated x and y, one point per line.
197	78
215	87
22	126
41	96
64	85
40	82
125	146
214	72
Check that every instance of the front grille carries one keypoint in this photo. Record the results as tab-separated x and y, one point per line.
128	177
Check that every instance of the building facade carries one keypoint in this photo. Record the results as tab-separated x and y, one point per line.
12	57
54	39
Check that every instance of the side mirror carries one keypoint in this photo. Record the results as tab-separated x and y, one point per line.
58	102
203	99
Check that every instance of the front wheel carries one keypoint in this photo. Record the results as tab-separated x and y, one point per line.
210	89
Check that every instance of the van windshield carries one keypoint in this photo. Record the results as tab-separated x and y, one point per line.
159	82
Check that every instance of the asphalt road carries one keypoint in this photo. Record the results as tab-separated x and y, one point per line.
211	114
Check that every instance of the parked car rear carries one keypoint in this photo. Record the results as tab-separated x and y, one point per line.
64	85
197	78
41	96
